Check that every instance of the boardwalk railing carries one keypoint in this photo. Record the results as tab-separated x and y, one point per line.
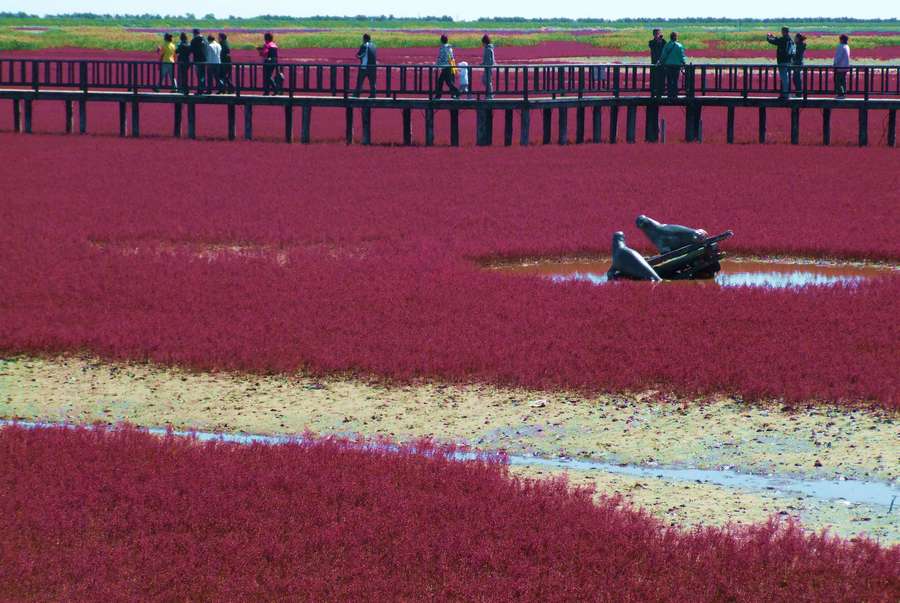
392	81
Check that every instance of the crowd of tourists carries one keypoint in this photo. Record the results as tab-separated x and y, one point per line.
669	58
211	60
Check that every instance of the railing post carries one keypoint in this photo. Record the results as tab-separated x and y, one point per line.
866	72
524	84
616	81
83	75
346	72
581	83
745	82
35	75
292	80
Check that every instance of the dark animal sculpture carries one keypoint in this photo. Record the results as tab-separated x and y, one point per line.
667	237
628	263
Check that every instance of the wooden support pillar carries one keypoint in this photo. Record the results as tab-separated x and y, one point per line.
651	125
123	119
70	120
863	127
729	126
82	117
407	127
17	116
563	137
762	125
698	123
630	123
597	124
579	125
232	122
177	121
613	124
289	123
525	127
192	121
454	127
690	123
508	128
826	126
28	114
135	120
482	127
892	128
348	130
429	127
248	122
795	125
305	123
548	124
366	125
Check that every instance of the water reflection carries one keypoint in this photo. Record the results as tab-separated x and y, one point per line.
733	274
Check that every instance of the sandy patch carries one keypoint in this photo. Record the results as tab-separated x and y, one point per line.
817	441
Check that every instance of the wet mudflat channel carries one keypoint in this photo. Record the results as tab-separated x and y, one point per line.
782	274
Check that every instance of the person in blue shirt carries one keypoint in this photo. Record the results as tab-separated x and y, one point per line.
368	65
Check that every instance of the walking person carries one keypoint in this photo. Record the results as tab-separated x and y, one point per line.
797	62
272	78
657	75
183	50
488	60
841	66
166	63
447	63
213	64
784	55
672	59
225	83
198	53
368	65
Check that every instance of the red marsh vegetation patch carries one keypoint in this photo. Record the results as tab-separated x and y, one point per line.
127	515
416	305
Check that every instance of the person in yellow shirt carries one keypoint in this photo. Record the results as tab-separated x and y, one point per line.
167	63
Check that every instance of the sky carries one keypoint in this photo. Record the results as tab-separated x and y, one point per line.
471	9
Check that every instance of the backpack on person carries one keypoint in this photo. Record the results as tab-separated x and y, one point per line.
791	48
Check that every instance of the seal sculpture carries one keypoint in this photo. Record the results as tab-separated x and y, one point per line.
629	263
667	237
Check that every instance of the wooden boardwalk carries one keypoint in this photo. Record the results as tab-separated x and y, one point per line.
519	92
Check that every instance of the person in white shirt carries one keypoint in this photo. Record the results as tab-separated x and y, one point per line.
464	79
213	67
841	66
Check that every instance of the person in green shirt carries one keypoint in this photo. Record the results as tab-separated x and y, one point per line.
672	59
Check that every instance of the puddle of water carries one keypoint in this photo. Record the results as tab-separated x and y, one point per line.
852	491
773	275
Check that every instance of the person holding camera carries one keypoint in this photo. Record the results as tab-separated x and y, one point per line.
784	55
